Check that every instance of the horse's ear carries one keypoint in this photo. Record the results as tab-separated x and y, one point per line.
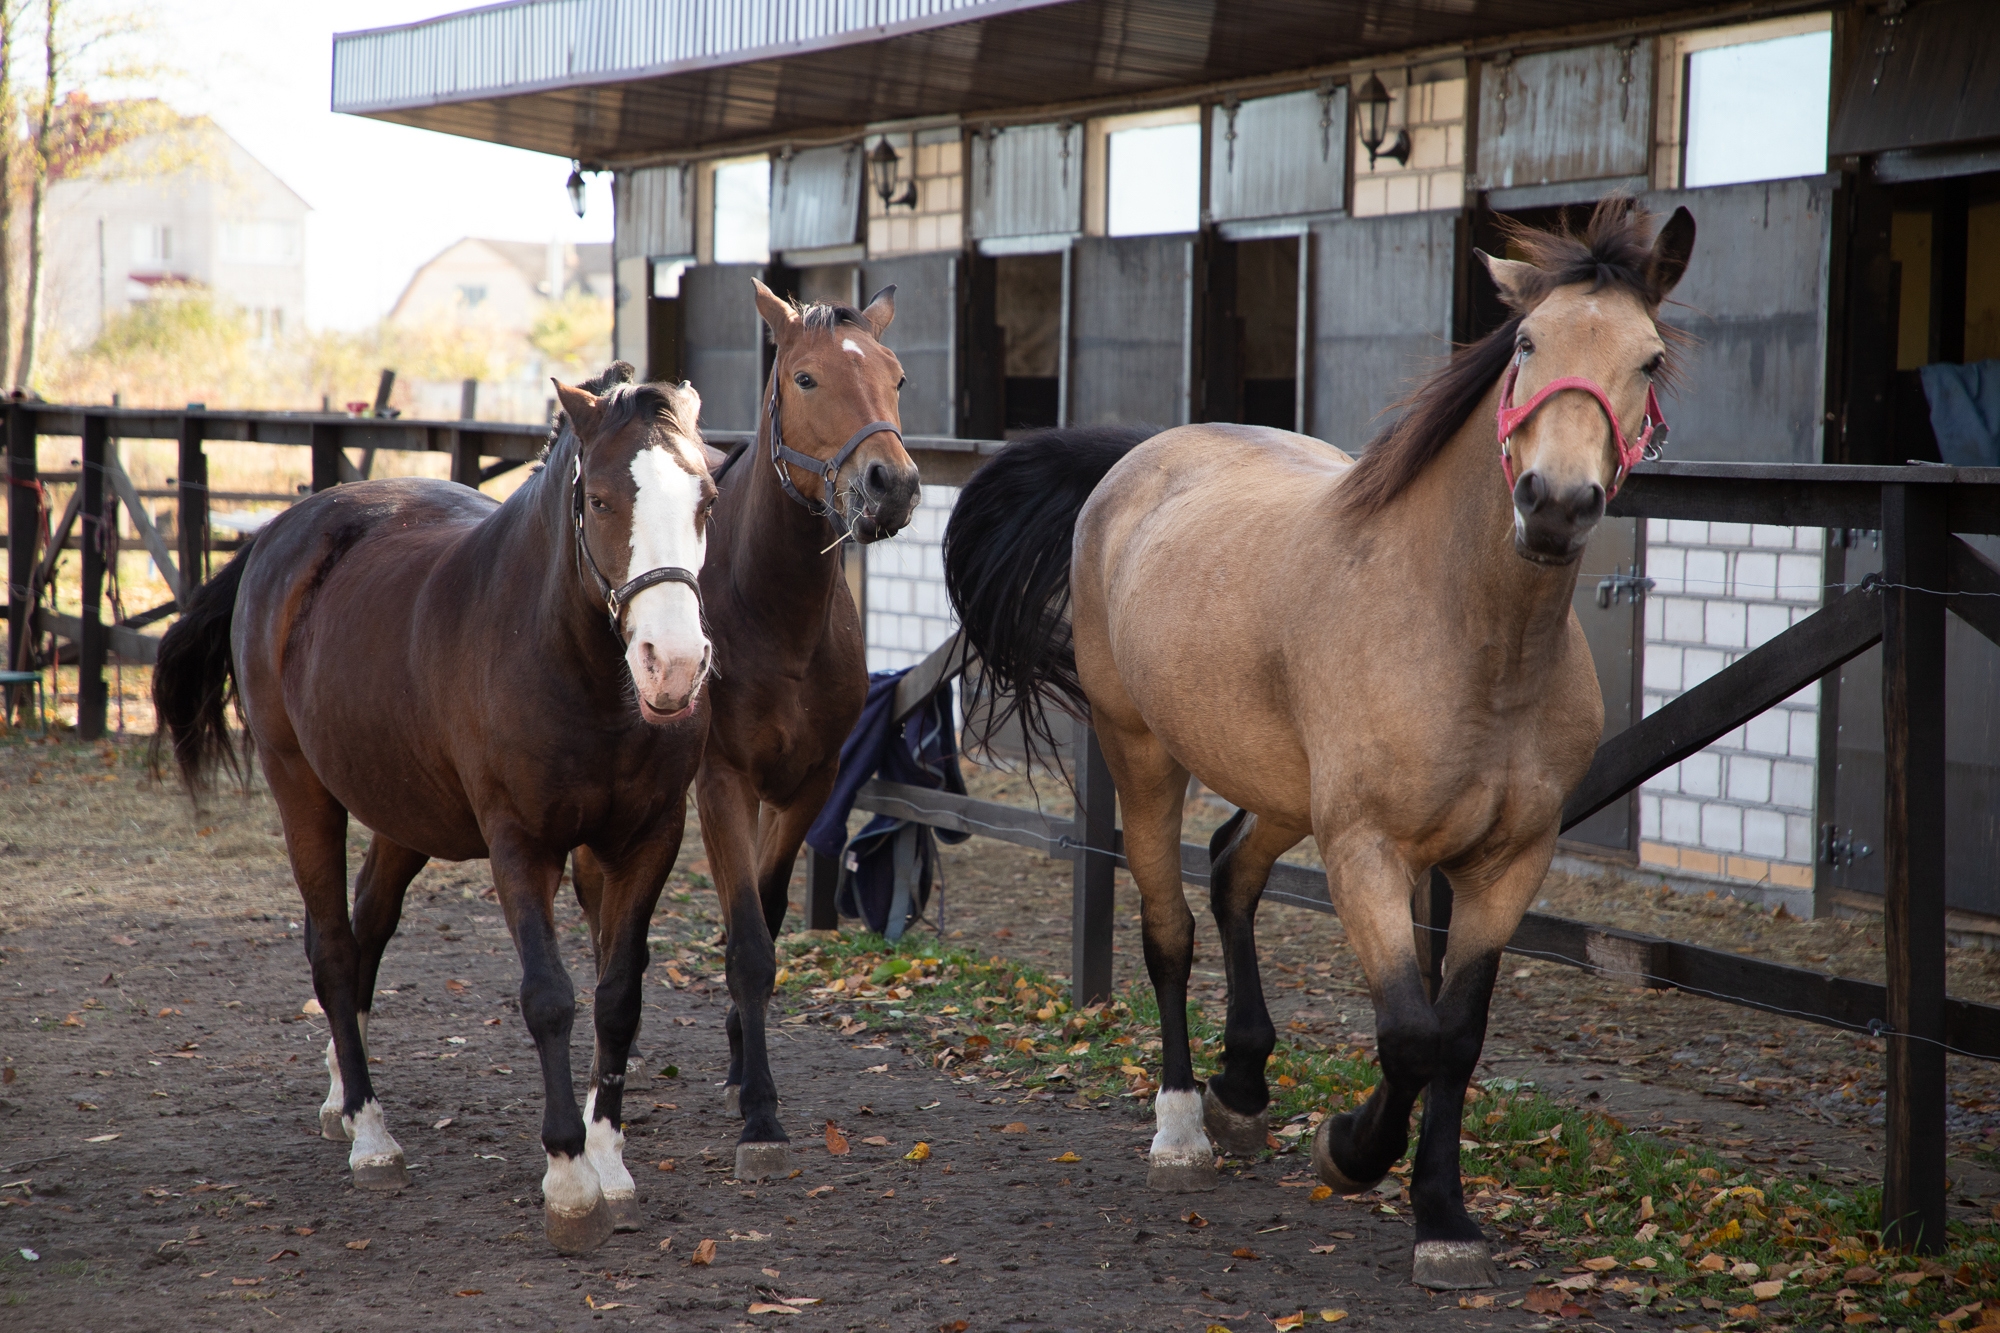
1670	254
881	310
1512	277
686	405
777	311
582	407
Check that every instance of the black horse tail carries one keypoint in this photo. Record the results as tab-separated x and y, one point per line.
1006	569
194	680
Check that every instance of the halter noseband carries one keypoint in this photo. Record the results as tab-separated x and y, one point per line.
618	598
826	470
1650	444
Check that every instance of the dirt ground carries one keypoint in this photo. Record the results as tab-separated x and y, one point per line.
159	1152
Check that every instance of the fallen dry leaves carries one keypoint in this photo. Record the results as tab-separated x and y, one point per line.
836	1142
704	1253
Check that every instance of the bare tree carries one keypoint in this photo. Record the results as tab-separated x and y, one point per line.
11	13
39	191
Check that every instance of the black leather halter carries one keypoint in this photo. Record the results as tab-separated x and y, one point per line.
826	470
617	599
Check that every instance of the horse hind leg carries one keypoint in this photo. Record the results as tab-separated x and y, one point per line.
378	905
1236	1102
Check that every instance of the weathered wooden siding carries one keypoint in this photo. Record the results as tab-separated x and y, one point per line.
1754	300
1027	180
653	213
1580	114
725	344
1381	314
1130	328
816	198
924	335
1278	156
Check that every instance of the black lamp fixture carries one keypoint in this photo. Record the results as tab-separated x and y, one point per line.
882	162
574	187
1372	102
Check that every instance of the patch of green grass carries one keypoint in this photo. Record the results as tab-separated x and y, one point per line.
1626	1216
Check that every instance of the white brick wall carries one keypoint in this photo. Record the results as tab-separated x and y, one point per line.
1743	808
908	613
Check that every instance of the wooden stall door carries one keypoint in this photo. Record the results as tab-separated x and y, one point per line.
924	336
1381	317
723	343
1131	331
1614	634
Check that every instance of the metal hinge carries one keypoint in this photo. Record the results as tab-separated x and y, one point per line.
1837	851
1620	584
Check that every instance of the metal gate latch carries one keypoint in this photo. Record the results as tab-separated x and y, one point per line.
1837	851
1620	584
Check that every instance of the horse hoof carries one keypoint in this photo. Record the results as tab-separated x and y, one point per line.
387	1175
1174	1173
1453	1265
332	1128
624	1211
732	1101
1234	1134
1322	1160
578	1233
763	1161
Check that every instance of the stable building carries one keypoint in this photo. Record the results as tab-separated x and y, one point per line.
1159	211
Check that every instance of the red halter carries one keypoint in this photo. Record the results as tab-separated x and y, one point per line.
1651	441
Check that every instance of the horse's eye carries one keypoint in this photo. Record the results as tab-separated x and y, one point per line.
803	380
1654	366
1524	345
597	503
901	382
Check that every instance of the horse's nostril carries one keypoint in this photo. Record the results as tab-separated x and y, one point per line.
1530	492
876	479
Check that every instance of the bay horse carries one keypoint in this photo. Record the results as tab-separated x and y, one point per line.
827	464
472	679
1379	655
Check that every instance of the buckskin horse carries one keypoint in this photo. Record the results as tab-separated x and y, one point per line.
1379	655
827	465
471	679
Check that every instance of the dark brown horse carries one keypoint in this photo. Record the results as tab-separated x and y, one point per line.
476	680
828	463
1380	656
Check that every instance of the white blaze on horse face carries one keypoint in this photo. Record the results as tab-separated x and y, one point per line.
667	651
604	1145
849	345
1179	1138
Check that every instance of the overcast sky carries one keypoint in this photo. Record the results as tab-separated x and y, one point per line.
384	197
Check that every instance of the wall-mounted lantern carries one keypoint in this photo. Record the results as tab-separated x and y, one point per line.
882	162
1372	101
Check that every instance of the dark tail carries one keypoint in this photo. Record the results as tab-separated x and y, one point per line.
1006	568
195	679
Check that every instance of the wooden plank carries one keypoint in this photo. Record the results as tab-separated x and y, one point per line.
191	482
946	662
1842	629
93	644
128	643
24	501
156	545
1975	589
822	883
1915	561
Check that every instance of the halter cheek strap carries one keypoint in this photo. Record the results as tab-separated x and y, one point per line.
616	599
825	469
1650	443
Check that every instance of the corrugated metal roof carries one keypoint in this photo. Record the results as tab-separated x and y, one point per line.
533	44
618	80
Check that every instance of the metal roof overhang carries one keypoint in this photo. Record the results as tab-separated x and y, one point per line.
612	81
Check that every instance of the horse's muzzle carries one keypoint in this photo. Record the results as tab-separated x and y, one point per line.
883	501
1552	526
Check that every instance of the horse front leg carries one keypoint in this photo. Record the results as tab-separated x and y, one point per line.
574	1215
1235	1105
628	891
1371	893
728	805
1451	1251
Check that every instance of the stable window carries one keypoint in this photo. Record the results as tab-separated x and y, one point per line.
1758	110
743	212
152	243
1153	180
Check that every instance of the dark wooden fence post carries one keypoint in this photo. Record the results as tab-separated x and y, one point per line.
93	696
1095	827
193	500
822	879
465	459
325	445
24	530
1915	533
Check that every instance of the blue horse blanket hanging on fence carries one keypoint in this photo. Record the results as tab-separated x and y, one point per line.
887	870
